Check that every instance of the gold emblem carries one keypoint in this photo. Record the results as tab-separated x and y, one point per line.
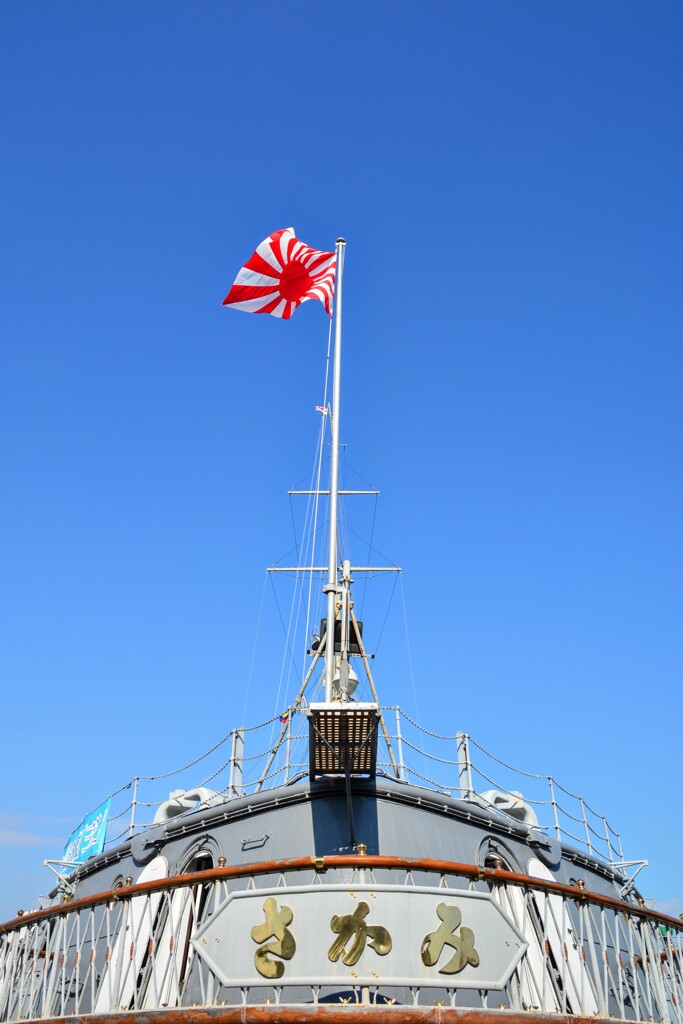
463	944
353	926
275	927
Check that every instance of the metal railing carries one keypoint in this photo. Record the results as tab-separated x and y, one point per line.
139	948
275	753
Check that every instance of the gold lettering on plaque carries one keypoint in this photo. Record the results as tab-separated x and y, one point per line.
349	926
463	944
275	927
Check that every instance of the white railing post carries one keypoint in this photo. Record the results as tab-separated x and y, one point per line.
134	802
235	783
399	744
464	766
288	747
586	826
553	804
610	858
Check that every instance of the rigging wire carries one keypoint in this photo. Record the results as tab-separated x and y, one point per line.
293	569
253	652
308	534
386	615
314	523
296	539
411	670
370	549
321	449
344	543
295	608
282	623
380	553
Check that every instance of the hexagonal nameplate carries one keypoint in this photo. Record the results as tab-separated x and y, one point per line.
361	934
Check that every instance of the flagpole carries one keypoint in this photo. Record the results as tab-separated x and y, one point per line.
332	586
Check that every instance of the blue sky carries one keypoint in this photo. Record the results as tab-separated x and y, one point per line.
508	178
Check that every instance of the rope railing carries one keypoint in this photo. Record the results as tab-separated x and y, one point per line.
537	791
454	764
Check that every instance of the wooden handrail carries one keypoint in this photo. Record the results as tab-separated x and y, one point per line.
329	1013
443	867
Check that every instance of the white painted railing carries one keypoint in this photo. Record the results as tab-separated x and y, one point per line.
578	953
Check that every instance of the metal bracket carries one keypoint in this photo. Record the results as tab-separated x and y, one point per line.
255	844
65	887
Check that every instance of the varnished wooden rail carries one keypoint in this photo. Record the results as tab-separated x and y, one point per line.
321	864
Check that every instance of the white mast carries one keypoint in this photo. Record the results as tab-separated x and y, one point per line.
331	587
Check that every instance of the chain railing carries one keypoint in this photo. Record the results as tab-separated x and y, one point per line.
275	753
156	945
461	767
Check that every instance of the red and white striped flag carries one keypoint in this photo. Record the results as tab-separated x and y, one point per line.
283	273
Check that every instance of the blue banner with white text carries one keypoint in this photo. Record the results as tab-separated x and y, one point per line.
88	839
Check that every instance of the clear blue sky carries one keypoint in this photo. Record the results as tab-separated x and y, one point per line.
509	180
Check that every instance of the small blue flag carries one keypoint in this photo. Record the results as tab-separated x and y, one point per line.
88	839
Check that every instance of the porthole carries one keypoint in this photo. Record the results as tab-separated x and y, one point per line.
201	855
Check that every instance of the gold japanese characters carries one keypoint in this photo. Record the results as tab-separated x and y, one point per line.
275	927
353	926
354	934
445	935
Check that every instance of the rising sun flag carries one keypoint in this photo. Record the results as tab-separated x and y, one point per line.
283	273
